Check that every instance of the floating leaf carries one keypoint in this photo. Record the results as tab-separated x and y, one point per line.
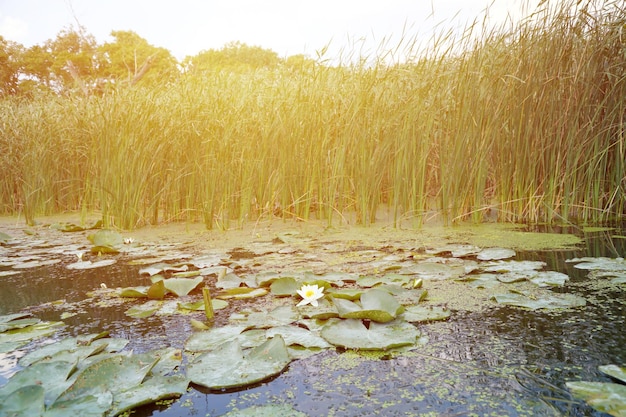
4	238
150	391
346	293
537	302
549	279
13	339
116	373
617	372
25	401
135	292
512	266
608	398
182	286
212	338
199	305
106	241
229	280
91	265
495	254
280	316
242	293
425	313
294	335
229	366
284	287
157	290
376	305
144	310
353	334
601	263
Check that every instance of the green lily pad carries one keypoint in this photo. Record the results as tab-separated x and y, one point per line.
229	366
25	401
212	338
352	334
144	310
538	302
512	266
4	238
294	335
600	263
48	375
425	313
106	241
135	292
325	310
279	316
285	286
91	265
152	390
117	373
157	290
351	294
241	293
608	398
617	372
229	280
491	254
376	304
182	286
549	279
14	339
199	305
16	321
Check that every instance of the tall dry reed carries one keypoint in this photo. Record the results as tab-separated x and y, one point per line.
523	123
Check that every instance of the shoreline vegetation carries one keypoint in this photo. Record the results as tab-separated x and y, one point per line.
524	124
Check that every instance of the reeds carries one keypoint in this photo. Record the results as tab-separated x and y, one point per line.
524	123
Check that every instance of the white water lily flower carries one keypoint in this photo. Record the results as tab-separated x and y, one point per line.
310	294
128	240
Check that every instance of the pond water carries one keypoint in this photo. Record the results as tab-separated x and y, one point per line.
499	361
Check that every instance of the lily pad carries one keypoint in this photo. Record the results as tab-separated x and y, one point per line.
241	293
279	316
294	335
91	265
144	310
229	366
106	241
608	398
540	302
617	372
182	286
352	334
549	279
420	313
512	266
4	238
491	254
284	287
212	338
376	305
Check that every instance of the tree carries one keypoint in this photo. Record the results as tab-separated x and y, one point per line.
132	59
234	56
9	67
74	59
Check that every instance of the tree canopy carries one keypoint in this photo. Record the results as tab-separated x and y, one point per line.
74	61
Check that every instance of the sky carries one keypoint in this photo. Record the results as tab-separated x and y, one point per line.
288	27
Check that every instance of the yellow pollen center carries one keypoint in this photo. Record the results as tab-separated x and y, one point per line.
309	293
